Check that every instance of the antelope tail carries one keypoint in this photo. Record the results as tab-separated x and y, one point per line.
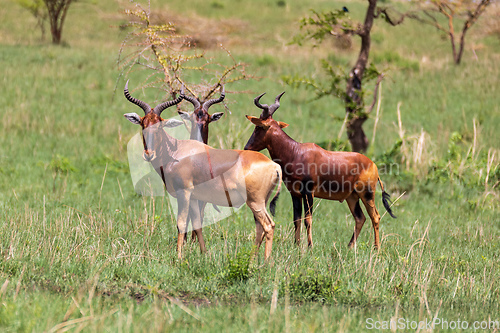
272	205
386	199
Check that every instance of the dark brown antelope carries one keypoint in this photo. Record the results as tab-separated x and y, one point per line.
310	171
200	118
193	171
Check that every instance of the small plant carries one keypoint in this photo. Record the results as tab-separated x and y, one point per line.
217	4
453	147
239	268
60	165
391	156
310	285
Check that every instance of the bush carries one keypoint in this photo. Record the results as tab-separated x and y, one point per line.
311	286
239	267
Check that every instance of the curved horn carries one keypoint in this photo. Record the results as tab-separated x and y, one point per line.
211	102
193	100
256	101
264	107
143	105
276	104
160	107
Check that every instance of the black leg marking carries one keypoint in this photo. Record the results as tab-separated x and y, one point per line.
369	194
297	216
358	213
297	208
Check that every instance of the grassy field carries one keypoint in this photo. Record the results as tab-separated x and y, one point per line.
80	250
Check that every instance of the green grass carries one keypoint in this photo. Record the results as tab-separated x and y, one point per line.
79	249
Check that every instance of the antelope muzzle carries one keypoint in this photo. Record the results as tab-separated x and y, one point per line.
149	155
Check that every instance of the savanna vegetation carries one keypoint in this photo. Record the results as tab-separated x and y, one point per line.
80	250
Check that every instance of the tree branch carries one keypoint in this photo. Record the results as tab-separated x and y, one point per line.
375	91
385	14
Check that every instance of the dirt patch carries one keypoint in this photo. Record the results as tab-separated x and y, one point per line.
141	293
203	32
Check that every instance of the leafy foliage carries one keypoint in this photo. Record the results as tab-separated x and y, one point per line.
319	26
334	84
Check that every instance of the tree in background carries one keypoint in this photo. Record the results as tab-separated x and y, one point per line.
337	24
52	10
57	10
38	10
453	11
172	58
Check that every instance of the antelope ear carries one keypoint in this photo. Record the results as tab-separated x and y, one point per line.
256	121
172	123
216	116
134	118
282	124
184	115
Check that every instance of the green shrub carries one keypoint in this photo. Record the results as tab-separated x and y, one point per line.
238	268
311	285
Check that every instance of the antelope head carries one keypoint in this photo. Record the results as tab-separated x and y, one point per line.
265	125
200	118
152	123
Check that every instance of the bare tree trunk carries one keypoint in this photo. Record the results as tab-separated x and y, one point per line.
458	59
356	135
354	101
57	10
473	17
55	32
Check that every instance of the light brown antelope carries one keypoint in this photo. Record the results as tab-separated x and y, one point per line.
310	171
193	171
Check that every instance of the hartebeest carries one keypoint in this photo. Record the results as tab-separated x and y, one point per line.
310	171
200	120
193	171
